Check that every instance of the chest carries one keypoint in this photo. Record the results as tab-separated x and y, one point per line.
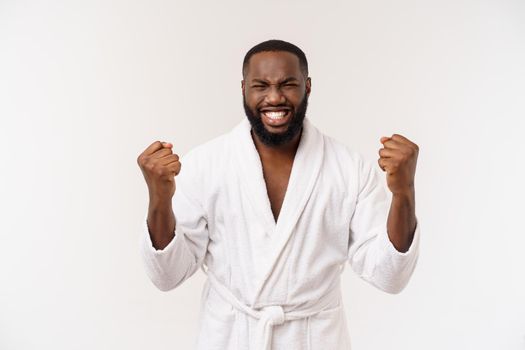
276	177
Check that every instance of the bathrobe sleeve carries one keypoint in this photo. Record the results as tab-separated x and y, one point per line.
167	268
371	253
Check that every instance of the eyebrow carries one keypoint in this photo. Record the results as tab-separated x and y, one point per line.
286	80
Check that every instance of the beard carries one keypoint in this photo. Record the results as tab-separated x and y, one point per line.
276	139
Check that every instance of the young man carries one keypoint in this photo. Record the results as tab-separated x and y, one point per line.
274	209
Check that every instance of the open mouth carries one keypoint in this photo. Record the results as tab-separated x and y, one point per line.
276	117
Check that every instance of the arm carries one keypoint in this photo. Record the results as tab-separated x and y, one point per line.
161	222
160	166
401	223
384	231
398	159
175	234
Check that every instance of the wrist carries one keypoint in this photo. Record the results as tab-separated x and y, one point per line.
156	201
405	193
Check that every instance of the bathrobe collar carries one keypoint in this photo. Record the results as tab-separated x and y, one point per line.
305	170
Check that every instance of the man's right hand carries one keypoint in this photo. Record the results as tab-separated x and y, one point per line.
159	166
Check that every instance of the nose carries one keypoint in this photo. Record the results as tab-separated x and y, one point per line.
275	96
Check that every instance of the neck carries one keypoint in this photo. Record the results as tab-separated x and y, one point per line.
286	150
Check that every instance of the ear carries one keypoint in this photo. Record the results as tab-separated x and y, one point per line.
242	86
308	85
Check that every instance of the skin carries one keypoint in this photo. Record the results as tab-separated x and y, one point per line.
160	166
398	158
284	85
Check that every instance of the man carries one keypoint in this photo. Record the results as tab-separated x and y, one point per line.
274	209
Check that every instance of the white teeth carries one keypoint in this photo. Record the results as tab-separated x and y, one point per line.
275	115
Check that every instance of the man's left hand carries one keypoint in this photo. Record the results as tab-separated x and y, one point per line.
398	159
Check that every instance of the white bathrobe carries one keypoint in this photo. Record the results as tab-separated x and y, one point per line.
276	285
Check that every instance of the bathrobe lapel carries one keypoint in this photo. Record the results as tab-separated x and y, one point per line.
251	177
305	171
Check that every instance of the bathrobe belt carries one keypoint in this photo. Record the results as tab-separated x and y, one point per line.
273	315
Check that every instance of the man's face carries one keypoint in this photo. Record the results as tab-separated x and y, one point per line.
275	96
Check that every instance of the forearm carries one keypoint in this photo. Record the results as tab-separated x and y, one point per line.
401	222
161	222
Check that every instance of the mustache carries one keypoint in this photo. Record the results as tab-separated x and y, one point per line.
275	139
271	107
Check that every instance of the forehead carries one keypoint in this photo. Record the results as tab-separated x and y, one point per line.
273	65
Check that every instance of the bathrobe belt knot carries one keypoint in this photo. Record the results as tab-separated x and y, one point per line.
272	315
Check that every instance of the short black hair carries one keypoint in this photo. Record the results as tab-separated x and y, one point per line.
276	45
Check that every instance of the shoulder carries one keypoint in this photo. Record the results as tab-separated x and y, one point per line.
209	152
355	167
342	152
201	166
361	175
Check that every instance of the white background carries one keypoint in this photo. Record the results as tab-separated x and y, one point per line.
85	86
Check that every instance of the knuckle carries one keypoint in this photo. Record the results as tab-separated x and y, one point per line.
412	152
177	168
406	153
150	166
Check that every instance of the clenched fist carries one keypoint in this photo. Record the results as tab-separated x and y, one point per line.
398	159
159	166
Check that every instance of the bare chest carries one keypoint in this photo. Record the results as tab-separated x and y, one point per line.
276	178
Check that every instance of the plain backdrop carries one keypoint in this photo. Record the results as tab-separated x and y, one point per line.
85	86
